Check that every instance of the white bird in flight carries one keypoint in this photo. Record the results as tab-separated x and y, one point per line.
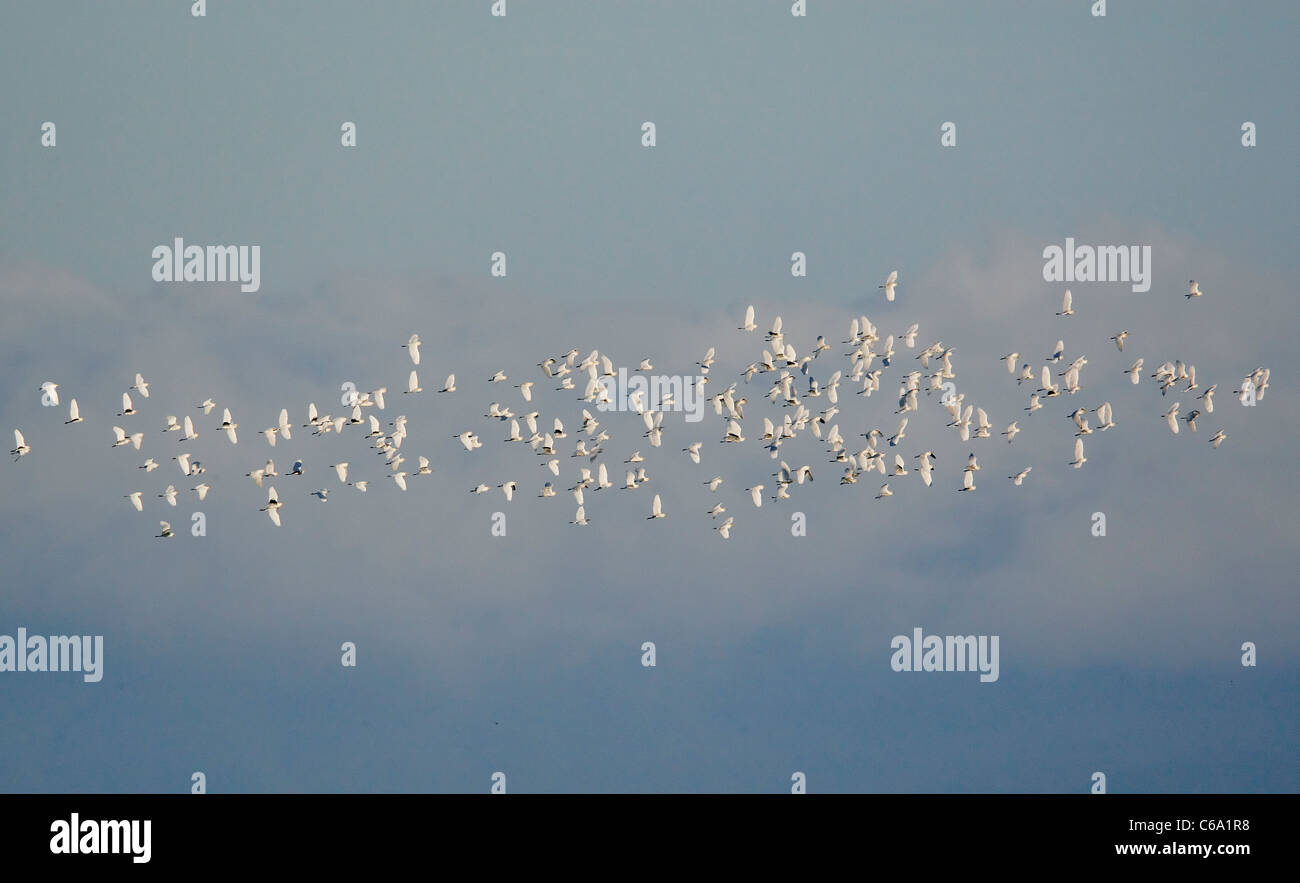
1171	418
890	284
1079	459
272	507
412	347
229	426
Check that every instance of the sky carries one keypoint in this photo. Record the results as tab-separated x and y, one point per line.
522	654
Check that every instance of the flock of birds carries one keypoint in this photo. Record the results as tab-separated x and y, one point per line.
794	388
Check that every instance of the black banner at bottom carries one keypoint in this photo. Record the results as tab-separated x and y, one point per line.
334	832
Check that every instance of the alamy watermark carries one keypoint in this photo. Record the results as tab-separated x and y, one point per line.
57	653
922	652
179	262
1102	263
653	392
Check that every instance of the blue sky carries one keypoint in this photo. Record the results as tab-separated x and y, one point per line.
522	134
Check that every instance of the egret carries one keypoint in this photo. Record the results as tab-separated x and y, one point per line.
898	436
272	507
748	324
1066	305
229	426
890	284
1135	372
1019	477
1079	459
656	509
134	497
74	413
165	530
412	346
